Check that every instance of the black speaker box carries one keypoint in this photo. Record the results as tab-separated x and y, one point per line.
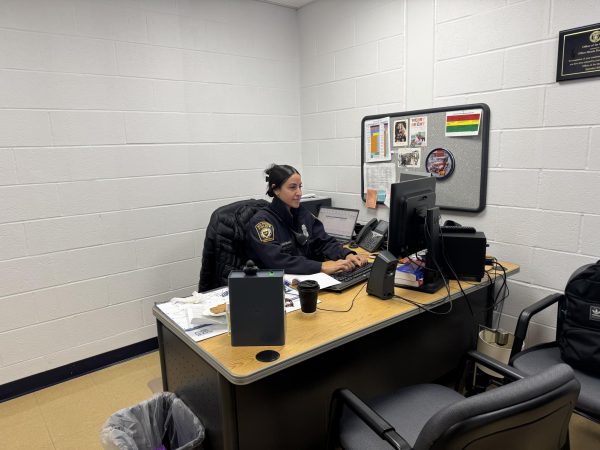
381	279
256	308
465	254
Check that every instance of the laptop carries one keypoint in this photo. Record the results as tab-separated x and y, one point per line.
338	222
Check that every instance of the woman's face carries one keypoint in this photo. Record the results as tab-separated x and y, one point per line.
290	191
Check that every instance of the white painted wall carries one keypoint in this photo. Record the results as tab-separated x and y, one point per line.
543	210
544	176
352	65
123	124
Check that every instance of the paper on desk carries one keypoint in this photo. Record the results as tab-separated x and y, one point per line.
323	279
190	318
193	313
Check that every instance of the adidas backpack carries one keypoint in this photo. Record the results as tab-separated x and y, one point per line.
579	320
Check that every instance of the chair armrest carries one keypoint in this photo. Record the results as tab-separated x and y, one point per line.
525	317
370	417
495	365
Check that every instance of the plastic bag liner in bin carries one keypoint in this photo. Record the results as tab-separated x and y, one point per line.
163	422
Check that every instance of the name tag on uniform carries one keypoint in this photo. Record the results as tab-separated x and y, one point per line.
287	247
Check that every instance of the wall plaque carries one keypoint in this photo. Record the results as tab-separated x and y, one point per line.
578	53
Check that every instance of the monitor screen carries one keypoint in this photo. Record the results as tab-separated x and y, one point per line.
409	203
338	222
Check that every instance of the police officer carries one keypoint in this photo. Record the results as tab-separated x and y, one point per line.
285	235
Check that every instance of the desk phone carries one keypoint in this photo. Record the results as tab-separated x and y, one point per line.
372	235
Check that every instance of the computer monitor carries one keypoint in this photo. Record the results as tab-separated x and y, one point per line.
414	225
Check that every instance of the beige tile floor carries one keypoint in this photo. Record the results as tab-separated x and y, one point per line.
69	415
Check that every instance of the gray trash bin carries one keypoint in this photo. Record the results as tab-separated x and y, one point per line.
163	422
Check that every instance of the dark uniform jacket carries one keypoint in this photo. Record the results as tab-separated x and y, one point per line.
295	242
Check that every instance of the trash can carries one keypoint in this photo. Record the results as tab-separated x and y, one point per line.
163	422
496	343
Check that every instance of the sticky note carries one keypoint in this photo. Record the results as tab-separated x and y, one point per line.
371	198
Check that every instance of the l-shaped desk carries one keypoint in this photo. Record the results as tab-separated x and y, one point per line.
374	348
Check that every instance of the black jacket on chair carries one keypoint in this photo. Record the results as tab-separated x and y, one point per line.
224	242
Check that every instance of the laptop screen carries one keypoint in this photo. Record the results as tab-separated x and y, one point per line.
338	222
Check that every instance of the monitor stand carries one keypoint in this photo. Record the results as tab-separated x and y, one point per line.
432	279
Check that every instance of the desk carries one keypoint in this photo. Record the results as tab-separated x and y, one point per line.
374	348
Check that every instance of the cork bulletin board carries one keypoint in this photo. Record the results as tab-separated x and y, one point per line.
449	143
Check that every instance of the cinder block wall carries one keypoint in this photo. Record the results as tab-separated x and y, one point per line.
544	172
123	124
352	65
543	209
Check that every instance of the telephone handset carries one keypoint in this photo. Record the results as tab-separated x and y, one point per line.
372	235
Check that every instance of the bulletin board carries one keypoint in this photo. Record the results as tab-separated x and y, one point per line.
449	143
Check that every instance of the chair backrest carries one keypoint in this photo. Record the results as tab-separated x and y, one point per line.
530	413
224	242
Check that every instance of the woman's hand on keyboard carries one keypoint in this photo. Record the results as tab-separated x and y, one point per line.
342	265
356	260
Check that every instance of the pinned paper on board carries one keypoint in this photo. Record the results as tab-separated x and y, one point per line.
379	178
409	157
463	123
377	140
418	131
401	133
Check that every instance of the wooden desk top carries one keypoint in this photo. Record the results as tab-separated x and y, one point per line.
309	335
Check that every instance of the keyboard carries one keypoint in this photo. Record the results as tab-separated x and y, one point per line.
349	279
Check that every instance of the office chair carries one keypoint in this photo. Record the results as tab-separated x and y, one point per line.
536	359
530	413
224	242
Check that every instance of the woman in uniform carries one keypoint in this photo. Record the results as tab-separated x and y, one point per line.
285	235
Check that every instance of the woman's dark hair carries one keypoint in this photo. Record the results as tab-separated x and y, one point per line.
276	175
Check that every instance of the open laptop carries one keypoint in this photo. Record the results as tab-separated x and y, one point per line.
338	222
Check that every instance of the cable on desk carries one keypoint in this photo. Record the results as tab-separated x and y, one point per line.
351	304
424	307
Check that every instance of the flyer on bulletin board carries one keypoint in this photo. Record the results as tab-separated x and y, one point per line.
379	177
418	131
377	140
463	123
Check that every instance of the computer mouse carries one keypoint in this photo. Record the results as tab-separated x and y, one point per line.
353	245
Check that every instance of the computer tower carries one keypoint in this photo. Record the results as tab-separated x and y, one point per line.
256	308
465	254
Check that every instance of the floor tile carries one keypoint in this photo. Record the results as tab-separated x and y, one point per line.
22	425
585	434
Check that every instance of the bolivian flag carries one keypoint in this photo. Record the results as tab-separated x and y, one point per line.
463	123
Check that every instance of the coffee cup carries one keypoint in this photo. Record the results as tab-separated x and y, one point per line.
308	292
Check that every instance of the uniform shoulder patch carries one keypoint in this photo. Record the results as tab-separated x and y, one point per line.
266	231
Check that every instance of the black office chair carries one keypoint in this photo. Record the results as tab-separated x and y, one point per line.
530	413
538	358
224	242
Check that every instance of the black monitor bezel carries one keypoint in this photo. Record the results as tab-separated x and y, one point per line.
406	233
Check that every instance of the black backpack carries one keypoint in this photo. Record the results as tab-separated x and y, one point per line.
579	320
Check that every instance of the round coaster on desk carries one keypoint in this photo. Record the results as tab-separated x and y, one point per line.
267	356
